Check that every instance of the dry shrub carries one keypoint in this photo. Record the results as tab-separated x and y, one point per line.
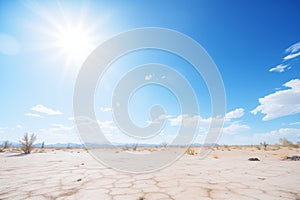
215	156
235	147
265	145
274	147
283	155
191	151
6	145
286	143
134	147
125	148
27	143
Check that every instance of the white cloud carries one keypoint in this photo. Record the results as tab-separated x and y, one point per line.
107	126
281	103
294	48
42	109
230	127
60	127
185	120
58	133
152	122
34	115
2	129
294	123
293	51
237	113
159	119
271	137
165	116
279	68
235	128
291	56
148	77
192	120
105	109
19	126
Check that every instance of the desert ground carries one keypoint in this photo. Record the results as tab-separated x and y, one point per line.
226	173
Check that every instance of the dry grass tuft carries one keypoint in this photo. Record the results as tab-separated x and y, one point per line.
283	155
215	156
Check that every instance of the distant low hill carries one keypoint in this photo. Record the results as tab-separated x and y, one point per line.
15	144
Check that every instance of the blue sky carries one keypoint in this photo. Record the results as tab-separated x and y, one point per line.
255	45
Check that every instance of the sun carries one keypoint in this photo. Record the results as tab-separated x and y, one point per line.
75	43
69	33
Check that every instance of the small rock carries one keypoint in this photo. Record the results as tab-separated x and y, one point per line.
79	179
295	158
253	159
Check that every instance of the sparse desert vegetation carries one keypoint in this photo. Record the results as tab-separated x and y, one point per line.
265	145
27	143
286	143
283	157
6	144
215	156
191	151
60	182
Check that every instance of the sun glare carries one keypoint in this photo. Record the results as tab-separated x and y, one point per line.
70	34
75	43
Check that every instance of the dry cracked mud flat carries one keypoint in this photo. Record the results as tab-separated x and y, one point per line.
224	174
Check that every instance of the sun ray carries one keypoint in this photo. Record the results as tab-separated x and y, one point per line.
71	38
74	42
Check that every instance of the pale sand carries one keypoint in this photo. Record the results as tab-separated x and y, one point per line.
74	174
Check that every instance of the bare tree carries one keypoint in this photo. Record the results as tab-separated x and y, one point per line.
6	144
164	144
27	143
264	144
134	147
285	142
125	148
